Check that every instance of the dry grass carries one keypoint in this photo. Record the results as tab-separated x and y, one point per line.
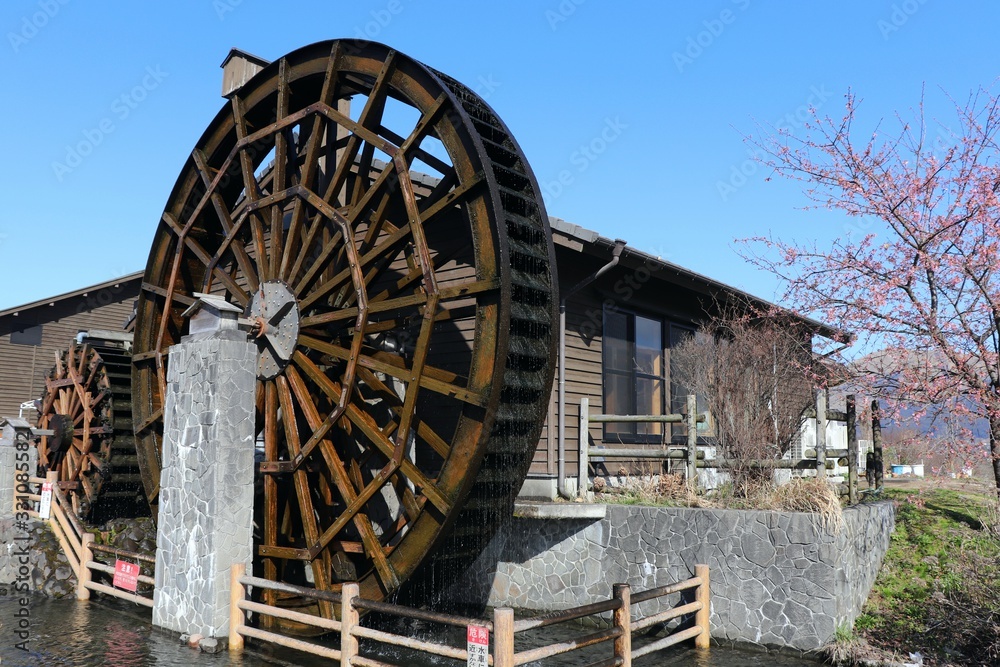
807	494
645	488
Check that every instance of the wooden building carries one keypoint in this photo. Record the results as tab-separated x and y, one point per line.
619	329
31	334
636	309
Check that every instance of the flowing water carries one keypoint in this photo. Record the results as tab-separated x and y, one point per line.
112	633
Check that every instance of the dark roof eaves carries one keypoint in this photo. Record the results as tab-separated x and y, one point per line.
69	295
591	237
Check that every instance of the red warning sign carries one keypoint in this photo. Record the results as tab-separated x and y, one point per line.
478	646
126	575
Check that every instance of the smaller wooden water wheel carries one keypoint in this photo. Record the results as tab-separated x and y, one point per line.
87	405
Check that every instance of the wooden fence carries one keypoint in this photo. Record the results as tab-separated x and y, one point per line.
503	627
78	546
819	458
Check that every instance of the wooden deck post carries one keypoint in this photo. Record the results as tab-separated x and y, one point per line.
821	433
852	450
349	618
83	576
877	443
582	483
503	637
692	444
702	616
623	621
237	594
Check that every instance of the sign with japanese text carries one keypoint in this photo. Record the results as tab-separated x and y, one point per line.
45	505
479	646
126	575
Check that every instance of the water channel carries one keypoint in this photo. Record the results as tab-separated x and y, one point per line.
112	633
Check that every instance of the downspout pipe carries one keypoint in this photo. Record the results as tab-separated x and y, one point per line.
561	407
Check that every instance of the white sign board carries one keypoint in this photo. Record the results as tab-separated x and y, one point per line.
45	505
479	646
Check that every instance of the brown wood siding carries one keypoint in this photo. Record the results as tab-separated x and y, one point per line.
23	367
583	378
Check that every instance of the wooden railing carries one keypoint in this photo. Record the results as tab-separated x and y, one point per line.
620	605
688	452
85	579
349	627
819	458
503	627
78	545
61	520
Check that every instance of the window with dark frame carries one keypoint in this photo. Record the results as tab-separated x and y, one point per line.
637	377
29	336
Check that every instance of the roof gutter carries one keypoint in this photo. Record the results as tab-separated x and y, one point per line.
561	408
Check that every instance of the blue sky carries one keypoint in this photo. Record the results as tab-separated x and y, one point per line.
631	114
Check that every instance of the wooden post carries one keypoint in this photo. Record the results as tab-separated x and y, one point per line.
821	433
852	451
349	618
877	443
83	576
623	621
582	483
702	617
692	448
503	637
237	594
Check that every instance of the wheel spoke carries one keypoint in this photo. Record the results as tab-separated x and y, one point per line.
280	160
301	481
230	228
424	432
342	481
371	431
251	190
227	281
435	379
391	242
414	300
369	118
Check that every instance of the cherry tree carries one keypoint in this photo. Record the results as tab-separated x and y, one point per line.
918	277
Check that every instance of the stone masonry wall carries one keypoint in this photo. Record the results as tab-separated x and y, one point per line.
777	578
206	488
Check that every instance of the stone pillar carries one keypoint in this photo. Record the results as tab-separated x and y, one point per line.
206	486
17	455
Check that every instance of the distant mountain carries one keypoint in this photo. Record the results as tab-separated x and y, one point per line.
884	364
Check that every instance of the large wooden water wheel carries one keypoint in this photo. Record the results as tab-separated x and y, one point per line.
381	227
87	404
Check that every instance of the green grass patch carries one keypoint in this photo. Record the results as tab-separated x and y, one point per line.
938	591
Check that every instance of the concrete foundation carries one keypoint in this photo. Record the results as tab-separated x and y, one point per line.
206	487
777	578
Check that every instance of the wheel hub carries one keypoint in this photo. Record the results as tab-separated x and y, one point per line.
275	312
62	433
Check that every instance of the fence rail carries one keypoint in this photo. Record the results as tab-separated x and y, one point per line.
503	625
817	458
78	544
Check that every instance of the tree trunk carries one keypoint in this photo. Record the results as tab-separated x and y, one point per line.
995	447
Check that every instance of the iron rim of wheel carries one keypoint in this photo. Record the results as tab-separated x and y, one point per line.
405	374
